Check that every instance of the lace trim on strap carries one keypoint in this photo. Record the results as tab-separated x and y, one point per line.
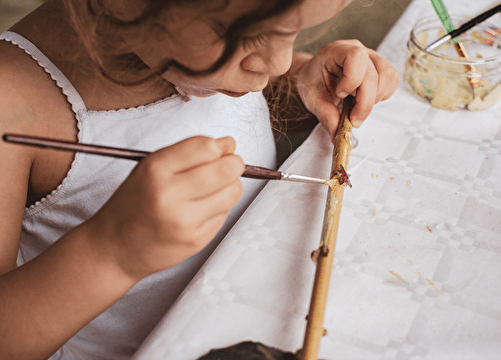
62	81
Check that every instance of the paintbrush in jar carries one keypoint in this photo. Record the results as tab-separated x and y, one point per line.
255	172
444	17
463	28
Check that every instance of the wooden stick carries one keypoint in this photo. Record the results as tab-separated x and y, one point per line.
461	52
325	253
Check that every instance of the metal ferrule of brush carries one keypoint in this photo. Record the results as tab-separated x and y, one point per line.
437	43
300	178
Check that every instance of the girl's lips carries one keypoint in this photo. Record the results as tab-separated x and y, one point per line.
233	93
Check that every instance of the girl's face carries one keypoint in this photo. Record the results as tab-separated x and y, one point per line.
192	36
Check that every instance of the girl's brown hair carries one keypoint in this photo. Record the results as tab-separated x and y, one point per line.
95	24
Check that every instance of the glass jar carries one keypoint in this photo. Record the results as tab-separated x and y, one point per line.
447	80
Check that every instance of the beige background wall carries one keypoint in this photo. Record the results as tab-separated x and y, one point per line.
13	10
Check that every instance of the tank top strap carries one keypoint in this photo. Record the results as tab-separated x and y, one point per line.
62	81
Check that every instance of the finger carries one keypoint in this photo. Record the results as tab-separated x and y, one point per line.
192	152
327	113
366	96
219	202
203	210
209	178
354	62
196	239
388	77
202	235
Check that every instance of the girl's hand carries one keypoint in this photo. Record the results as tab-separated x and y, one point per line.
171	206
339	69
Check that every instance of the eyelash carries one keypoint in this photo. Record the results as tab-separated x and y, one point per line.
253	41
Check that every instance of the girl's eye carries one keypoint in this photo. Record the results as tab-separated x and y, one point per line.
253	41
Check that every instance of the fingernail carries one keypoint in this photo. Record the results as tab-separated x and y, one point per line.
224	142
231	150
357	123
342	94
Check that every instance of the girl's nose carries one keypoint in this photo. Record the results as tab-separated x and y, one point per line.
273	61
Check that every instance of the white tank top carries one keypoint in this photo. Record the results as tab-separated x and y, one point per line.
119	331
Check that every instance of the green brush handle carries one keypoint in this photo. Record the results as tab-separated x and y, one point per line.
444	17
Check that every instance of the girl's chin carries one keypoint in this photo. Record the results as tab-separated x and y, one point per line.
233	93
196	92
199	92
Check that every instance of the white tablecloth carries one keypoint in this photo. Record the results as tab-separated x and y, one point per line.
417	269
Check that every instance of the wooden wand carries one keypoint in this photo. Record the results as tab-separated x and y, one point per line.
324	256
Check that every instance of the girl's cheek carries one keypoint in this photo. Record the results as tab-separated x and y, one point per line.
272	63
253	63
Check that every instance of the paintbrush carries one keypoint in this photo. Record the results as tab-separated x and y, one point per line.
255	172
444	17
463	28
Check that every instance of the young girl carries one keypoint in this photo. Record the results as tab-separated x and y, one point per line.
105	246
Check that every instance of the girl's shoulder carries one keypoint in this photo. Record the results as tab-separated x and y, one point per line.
28	95
19	89
16	77
31	103
16	92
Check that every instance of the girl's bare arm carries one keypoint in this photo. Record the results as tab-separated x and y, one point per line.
44	302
